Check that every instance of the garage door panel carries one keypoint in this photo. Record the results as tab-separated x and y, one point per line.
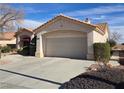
72	47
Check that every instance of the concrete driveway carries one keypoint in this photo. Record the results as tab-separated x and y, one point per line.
17	71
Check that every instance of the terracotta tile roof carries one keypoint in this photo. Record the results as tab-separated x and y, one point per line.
102	26
24	29
28	29
74	19
63	16
7	35
118	47
99	27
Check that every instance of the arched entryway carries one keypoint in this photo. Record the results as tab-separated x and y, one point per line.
25	44
23	41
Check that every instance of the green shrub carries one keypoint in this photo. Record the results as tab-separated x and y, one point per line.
5	49
24	51
102	52
19	50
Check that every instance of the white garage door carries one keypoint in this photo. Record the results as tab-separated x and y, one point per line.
66	44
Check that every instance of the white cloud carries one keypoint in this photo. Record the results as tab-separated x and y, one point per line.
116	20
32	10
99	18
31	24
97	10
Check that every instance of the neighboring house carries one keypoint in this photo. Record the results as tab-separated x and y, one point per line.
18	39
117	50
7	38
64	36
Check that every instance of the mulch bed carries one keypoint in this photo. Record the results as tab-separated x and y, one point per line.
104	79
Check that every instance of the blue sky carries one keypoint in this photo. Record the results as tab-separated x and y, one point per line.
37	14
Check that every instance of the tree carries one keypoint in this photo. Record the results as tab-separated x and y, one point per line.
9	18
112	43
115	36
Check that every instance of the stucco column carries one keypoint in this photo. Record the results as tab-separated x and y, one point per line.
32	36
39	46
90	54
18	42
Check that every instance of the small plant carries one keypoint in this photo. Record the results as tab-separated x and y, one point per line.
19	50
23	51
5	49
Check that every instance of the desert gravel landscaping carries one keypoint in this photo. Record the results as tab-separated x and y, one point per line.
101	79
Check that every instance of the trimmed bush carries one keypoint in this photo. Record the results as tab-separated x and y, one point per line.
5	49
104	79
102	52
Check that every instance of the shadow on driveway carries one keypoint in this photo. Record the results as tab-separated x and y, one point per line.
49	81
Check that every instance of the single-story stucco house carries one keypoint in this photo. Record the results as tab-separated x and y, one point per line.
117	51
64	36
7	38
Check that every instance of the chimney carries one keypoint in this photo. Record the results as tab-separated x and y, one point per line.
87	20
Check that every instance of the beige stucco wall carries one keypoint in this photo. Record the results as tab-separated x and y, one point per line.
39	46
5	42
100	38
90	45
95	37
